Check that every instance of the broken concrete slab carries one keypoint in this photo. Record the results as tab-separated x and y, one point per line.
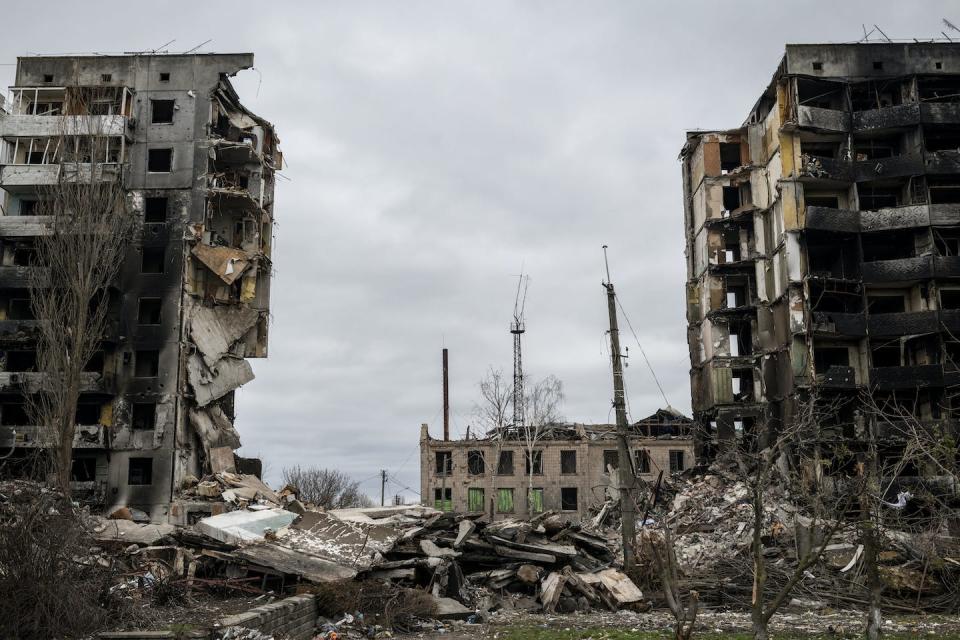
467	527
214	428
229	264
221	460
210	384
435	551
215	329
450	609
307	566
619	586
242	527
129	532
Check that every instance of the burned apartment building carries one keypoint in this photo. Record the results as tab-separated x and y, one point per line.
571	466
192	299
823	244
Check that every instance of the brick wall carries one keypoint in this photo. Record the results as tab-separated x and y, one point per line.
292	618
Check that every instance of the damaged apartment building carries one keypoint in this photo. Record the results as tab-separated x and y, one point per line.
823	244
572	465
192	300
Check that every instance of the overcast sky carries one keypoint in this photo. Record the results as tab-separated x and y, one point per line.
434	149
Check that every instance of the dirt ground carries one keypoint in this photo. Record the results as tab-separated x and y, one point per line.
710	624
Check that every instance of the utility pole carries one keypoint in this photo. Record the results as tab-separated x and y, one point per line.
383	485
628	505
446	397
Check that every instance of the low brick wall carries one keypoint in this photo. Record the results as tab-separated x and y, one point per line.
292	618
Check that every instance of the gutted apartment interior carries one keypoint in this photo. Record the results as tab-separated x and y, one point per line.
191	304
573	466
823	244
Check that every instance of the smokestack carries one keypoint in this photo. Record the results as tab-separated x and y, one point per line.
446	399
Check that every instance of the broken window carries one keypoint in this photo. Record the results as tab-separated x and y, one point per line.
48	78
811	200
676	460
161	112
144	416
950	298
938	89
14	414
95	363
152	259
83	469
835	298
877	148
140	471
505	500
611	460
951	357
641	460
443	499
149	311
147	363
475	463
941	138
568	499
475	499
19	309
17	361
24	254
886	304
826	357
505	464
164	77
944	190
876	94
873	198
833	255
535	500
887	245
729	156
444	462
820	93
741	338
741	382
534	461
885	354
731	198
155	210
87	413
568	462
737	293
159	160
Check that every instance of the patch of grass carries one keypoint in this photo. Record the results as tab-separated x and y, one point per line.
600	633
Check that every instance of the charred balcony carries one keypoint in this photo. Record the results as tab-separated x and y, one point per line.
907	377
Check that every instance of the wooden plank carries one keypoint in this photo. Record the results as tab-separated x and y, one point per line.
524	555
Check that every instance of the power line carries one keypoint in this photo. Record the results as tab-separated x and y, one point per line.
643	353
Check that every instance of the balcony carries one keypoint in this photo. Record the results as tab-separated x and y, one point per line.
940	112
837	377
18	331
903	270
901	115
946	266
845	324
24	226
33	381
22	177
942	161
950	319
30	126
893	167
830	219
31	436
903	324
823	119
920	376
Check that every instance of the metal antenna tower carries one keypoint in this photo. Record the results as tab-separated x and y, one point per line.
517	328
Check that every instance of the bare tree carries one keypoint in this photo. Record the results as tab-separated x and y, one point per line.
789	460
493	409
659	546
543	401
80	257
326	488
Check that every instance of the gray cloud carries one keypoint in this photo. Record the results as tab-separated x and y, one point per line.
433	149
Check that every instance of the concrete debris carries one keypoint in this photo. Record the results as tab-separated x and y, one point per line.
227	263
212	383
214	429
127	531
240	527
215	329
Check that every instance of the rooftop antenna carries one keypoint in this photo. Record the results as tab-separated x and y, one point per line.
882	33
165	44
517	328
197	47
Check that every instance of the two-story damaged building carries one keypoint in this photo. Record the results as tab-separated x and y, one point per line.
192	300
573	466
823	243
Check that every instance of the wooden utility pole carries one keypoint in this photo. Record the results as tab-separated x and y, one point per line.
383	485
628	504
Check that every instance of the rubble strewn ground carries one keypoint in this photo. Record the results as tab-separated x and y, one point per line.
412	569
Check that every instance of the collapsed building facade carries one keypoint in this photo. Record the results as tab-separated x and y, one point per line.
823	243
573	466
192	299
